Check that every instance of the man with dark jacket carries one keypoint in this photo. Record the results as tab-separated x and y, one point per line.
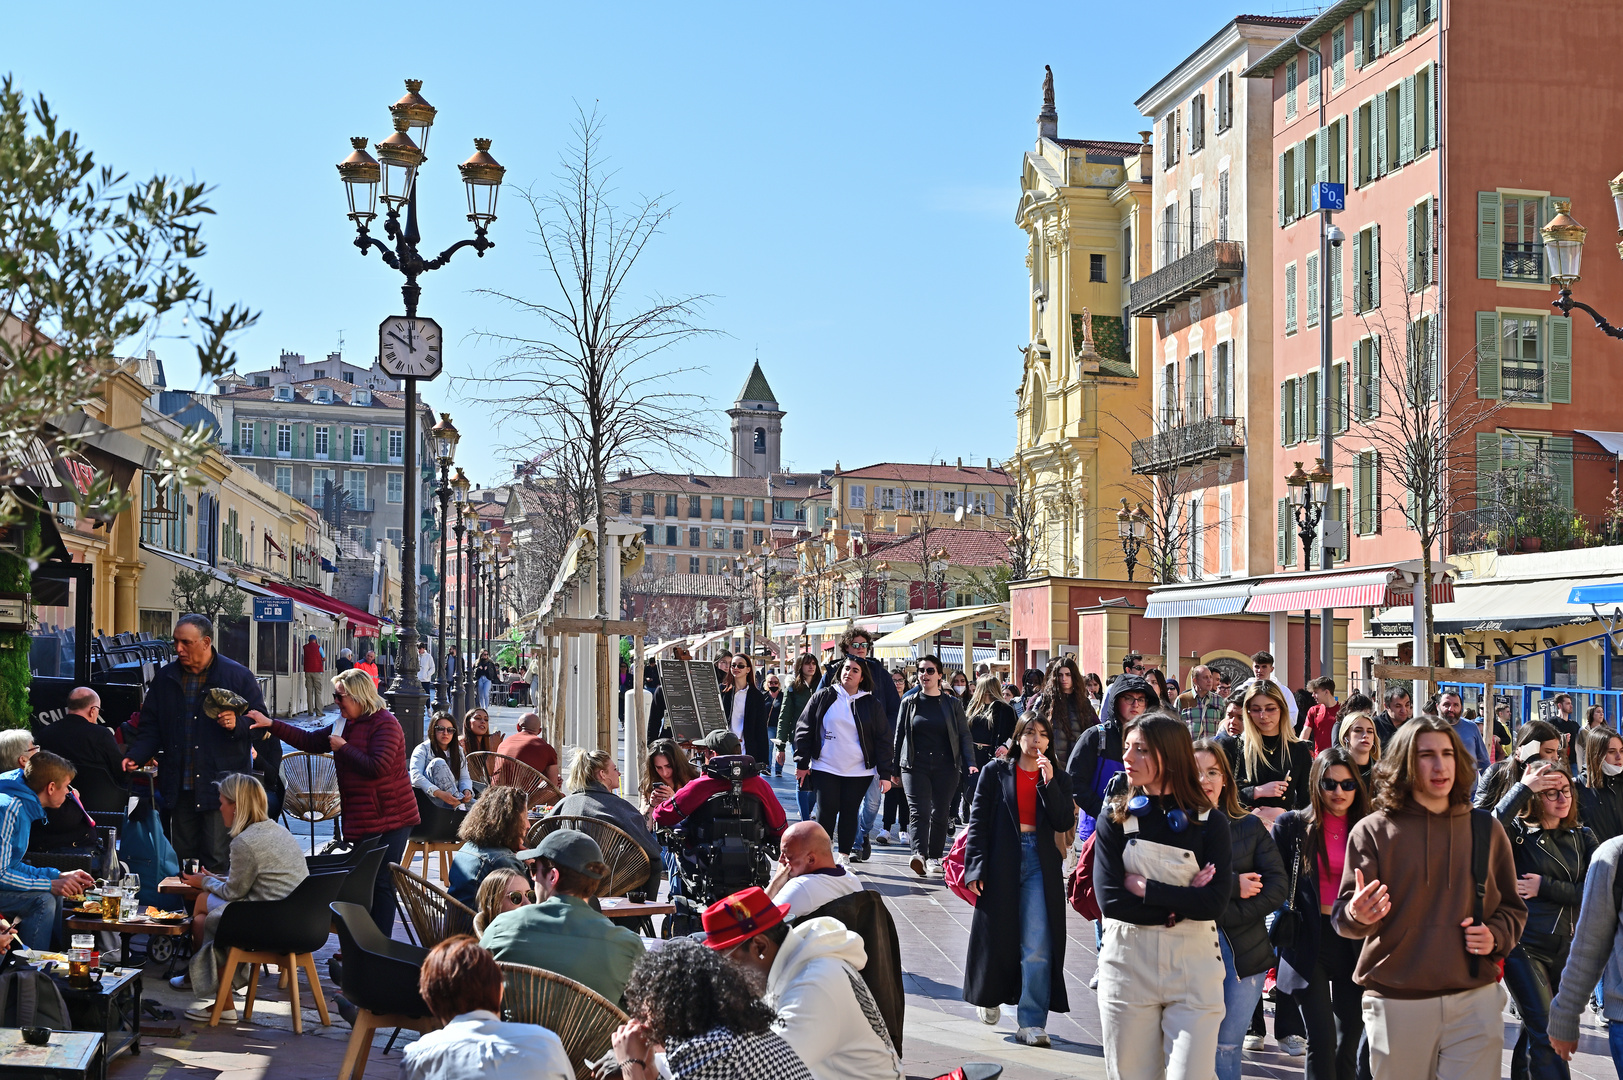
196	751
857	644
1096	758
80	737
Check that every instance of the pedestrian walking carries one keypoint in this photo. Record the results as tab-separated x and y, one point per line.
1201	707
1318	726
1451	707
1064	704
1597	946
858	643
991	726
1432	1003
1600	793
486	675
1012	864
773	689
801	688
1260	884
1163	872
314	663
746	708
1537	741
1360	739
893	813
933	749
1095	688
842	745
1316	964
1552	852
1273	765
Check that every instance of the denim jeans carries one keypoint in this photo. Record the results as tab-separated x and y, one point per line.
484	692
34	913
1532	983
929	801
869	812
1240	998
1035	955
1614	1038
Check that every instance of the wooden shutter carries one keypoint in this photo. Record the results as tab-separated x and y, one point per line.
1322	151
1342	414
1177	134
1356	179
1558	377
1487	356
1434	227
1375	265
1310	405
1435	97
1376	388
1299	182
1487	467
1290	299
1488	262
1413	250
1358	39
1341	150
1409	19
1378	119
1284	177
1286	541
1559	451
1290	89
1406	120
1343	512
1383	28
1285	413
1358	265
1310	267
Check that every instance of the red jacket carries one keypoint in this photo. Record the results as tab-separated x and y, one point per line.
673	810
373	780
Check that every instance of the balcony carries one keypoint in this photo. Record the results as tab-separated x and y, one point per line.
1188	444
1205	267
1522	262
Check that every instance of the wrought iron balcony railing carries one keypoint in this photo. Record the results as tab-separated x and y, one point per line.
1189	444
1206	267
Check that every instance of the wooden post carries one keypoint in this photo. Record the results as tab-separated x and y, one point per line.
607	679
1483	677
637	734
559	704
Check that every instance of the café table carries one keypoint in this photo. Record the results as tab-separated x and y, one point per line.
69	1055
128	928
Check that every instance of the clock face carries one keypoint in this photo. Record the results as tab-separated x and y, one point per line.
408	346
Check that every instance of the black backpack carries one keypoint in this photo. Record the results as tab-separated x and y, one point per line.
30	998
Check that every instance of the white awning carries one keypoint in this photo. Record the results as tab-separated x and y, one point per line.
1505	606
307	613
1611	440
881	624
663	647
899	643
1223	598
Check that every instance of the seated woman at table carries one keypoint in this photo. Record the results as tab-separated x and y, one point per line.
592	784
267	863
492	834
505	890
665	771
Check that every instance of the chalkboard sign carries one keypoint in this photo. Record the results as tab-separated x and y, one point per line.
692	698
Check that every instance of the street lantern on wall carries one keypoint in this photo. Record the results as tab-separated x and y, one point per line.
1564	252
1132	528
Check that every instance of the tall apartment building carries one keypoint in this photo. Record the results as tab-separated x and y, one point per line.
1438	117
1211	295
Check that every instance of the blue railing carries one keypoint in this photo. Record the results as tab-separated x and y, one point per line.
1524	699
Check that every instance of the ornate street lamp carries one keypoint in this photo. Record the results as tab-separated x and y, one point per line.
409	347
1132	526
442	440
1564	253
459	681
1310	491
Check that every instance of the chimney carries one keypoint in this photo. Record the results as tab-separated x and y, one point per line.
1048	119
960	463
988	464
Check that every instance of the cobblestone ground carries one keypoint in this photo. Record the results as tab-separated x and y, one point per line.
941	1030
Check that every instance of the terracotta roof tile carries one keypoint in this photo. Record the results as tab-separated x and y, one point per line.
965	547
1103	146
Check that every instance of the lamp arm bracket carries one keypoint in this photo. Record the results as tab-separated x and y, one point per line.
1566	303
366	241
479	243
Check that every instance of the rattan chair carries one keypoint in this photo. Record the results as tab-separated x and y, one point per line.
311	783
432	913
582	1018
628	862
499	770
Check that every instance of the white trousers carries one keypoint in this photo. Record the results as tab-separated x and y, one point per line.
1453	1037
1160	1000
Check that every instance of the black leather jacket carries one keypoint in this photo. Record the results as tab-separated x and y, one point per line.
1560	858
1600	805
1242	921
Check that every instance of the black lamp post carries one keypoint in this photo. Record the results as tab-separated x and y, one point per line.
418	355
459	681
1133	527
443	438
1312	492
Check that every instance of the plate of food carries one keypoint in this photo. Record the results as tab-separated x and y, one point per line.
160	915
88	911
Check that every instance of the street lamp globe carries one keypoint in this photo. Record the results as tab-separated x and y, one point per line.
442	440
1141	522
360	174
417	113
400	158
459	486
1617	203
482	175
1296	479
1320	479
1124	520
1563	245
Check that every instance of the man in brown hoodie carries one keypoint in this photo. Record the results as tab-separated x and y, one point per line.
1408	891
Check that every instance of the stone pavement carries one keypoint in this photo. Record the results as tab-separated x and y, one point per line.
941	1030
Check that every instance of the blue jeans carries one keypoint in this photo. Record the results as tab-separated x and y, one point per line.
484	692
1035	955
34	913
1240	997
807	798
869	811
1614	1036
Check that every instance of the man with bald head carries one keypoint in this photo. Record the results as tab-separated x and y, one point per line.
527	745
808	877
82	738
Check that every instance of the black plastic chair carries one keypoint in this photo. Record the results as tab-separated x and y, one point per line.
100	791
363	877
380	980
342	861
285	932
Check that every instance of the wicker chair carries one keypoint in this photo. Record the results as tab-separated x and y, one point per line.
499	770
432	913
311	782
628	862
581	1017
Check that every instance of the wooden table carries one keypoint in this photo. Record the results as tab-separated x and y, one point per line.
75	1054
127	930
618	907
177	887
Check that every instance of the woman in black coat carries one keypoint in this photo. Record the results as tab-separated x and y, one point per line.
841	744
1012	863
1271	772
748	718
1600	795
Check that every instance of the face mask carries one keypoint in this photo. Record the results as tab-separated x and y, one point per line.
1609	769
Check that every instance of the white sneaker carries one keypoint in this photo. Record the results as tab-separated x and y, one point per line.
1093	981
203	1011
934	866
181	982
989	1016
1252	1042
917	864
1294	1045
1032	1036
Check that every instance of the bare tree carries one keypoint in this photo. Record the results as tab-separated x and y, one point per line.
590	380
1025	530
1171	464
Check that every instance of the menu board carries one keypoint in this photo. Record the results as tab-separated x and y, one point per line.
692	698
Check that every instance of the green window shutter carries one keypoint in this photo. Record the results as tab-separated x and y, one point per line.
1375	497
1383	28
1487	356
1432	97
1341	150
1358	39
1285	413
1409	19
1413	250
1435	252
1356	525
1287	534
1299	181
1378	119
1279	533
1284	178
1360	379
1321	155
1357	267
1376	389
1375	266
1310	268
1559	451
1356	178
1487	467
1558	380
1343	417
1310	405
1406	120
1290	299
1487	236
1335	281
1343	506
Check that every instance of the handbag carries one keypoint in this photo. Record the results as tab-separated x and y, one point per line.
952	868
1288	920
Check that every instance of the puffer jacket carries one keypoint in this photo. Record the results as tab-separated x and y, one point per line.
373	780
1242	922
1600	806
1560	859
1096	758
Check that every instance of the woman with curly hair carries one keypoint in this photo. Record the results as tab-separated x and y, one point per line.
492	834
689	1001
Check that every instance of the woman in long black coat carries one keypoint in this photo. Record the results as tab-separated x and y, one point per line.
996	972
749	720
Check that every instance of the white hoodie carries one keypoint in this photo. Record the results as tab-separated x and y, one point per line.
811	987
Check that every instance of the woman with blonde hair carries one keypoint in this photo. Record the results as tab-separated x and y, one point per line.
1272	771
368	749
1356	733
593	783
267	863
504	890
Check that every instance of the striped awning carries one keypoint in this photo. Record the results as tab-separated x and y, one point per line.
1219	599
1373	588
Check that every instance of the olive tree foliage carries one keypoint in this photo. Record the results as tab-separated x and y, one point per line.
90	261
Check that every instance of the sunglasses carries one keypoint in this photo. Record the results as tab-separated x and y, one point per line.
740	667
339	695
927	671
526	897
445	731
1348	785
863	645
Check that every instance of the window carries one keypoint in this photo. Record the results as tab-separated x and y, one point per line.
670	564
758	510
1366	375
1096	267
1223	205
718	538
1536	456
695	503
670	506
1290	90
397	444
1171	138
1127	254
1225	533
693	564
673	535
710	565
1290	298
319	479
718	508
1338	396
625	502
858	496
1366	259
1423	370
738	539
1225	101
1308	395
1197	123
738	510
949	502
1194	388
1520	363
648	534
919	501
694	536
1523	251
1313	62
321	442
757	537
1196	233
1169	234
284	438
284	479
1335	280
1422	244
397	487
355	484
1288	202
1169	395
245	437
1366	493
1524	357
1310	268
357	444
1223	378
1338	57
648	503
1363	144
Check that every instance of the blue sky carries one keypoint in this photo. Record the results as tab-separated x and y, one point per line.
844	177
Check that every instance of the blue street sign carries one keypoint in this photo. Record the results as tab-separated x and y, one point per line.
1329	197
273	609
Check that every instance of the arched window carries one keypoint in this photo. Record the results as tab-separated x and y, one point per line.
760	440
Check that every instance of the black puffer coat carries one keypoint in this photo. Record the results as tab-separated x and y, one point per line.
1600	805
1561	859
1242	921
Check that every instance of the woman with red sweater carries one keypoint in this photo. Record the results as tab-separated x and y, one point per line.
369	753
